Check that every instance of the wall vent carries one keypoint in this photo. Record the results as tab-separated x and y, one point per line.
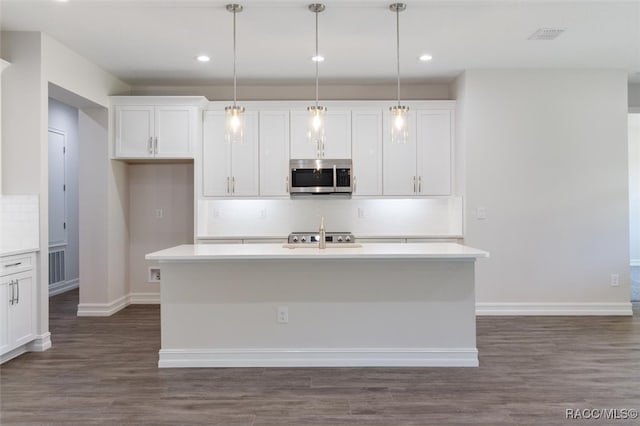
56	266
546	34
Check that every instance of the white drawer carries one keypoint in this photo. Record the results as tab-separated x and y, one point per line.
14	264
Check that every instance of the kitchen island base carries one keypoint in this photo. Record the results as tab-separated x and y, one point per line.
321	312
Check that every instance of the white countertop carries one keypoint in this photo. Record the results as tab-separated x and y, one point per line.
201	252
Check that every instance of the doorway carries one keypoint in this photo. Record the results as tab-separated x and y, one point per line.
634	203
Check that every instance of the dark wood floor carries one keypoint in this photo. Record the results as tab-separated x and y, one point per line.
104	371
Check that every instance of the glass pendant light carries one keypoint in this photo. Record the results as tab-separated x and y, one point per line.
399	113
316	112
234	125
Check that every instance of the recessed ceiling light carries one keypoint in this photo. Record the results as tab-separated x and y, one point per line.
425	57
203	58
317	58
62	1
550	33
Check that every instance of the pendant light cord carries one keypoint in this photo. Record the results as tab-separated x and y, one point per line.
398	49
316	58
234	58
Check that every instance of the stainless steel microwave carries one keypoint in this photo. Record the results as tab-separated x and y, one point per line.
323	176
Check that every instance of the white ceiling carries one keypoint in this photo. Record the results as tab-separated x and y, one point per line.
154	42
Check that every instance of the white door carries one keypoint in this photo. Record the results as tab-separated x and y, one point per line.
300	146
245	174
434	130
337	135
134	131
216	154
274	153
57	188
366	148
21	313
399	160
173	130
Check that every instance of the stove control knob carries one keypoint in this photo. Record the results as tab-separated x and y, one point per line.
304	239
347	238
339	239
295	239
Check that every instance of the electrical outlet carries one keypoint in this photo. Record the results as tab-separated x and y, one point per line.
159	213
481	213
615	280
283	315
263	213
361	213
154	274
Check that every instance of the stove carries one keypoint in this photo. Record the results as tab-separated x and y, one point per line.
314	237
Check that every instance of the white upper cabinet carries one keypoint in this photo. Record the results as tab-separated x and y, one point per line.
337	136
423	165
366	148
274	153
229	169
162	128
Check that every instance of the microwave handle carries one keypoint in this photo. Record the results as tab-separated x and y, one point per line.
335	179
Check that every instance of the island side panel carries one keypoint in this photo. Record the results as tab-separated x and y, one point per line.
355	312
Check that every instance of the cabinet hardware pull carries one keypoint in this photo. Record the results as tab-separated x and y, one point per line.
12	294
414	184
13	264
354	184
18	291
420	184
286	180
150	147
228	185
233	184
155	147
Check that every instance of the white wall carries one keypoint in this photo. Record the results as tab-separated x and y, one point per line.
168	187
634	187
634	95
547	159
65	118
302	92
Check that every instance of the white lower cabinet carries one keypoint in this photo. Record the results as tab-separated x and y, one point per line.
17	299
229	169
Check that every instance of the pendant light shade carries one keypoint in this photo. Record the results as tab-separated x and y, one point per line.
399	113
316	112
234	130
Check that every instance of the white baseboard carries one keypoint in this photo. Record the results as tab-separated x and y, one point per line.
64	286
332	357
41	343
554	309
144	298
102	309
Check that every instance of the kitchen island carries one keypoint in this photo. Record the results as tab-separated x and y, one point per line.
266	305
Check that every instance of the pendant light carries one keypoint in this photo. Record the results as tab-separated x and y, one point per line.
234	126
316	112
399	113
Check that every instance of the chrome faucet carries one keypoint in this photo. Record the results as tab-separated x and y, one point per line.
322	244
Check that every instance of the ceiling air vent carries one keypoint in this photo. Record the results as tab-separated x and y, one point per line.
546	34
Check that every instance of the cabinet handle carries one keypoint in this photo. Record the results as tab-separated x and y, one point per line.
155	146
150	145
420	184
354	184
13	264
12	293
414	184
233	184
228	184
17	291
286	180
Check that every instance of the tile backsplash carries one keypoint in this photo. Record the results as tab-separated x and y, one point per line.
19	223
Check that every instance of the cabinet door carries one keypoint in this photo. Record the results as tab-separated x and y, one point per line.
399	160
244	160
274	153
134	131
366	148
174	130
434	152
300	145
216	166
5	295
21	313
337	135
